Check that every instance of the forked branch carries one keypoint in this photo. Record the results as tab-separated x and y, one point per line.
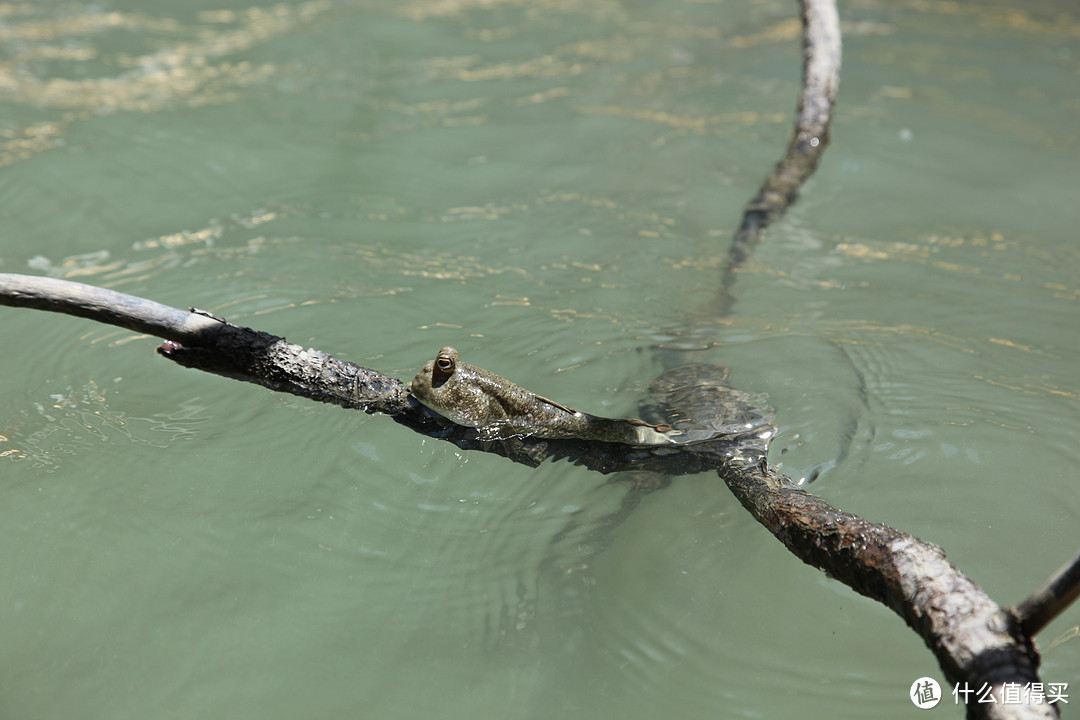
974	640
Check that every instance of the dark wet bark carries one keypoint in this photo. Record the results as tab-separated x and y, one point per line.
200	341
1046	603
974	640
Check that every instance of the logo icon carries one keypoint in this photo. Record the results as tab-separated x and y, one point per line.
925	693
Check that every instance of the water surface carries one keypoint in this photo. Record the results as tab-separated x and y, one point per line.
551	188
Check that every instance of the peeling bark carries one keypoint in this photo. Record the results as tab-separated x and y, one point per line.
974	639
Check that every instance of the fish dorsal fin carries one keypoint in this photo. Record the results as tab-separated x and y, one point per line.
554	404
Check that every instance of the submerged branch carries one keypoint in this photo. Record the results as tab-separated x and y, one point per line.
974	640
820	82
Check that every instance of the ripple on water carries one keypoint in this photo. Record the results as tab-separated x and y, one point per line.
470	556
947	398
667	612
58	412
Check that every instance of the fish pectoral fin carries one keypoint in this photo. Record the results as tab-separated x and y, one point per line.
658	428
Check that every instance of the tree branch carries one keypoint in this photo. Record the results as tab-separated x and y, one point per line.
974	640
820	82
198	340
106	306
1047	602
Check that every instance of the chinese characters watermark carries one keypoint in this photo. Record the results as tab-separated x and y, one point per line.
925	693
1013	693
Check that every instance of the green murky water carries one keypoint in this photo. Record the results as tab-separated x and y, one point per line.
550	187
